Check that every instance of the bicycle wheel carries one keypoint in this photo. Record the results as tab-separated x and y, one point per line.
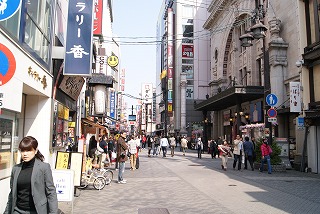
108	174
99	183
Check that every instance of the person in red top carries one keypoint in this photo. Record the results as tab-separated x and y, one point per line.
265	155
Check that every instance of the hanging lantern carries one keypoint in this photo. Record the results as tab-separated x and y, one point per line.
100	95
258	30
246	40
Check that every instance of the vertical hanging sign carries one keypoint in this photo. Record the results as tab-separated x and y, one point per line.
112	104
295	97
78	58
170	61
97	20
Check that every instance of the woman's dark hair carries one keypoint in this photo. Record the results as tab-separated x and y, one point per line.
28	143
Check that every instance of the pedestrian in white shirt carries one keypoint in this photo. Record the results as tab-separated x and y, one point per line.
172	144
164	144
133	144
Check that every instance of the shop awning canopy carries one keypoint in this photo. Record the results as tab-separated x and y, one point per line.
92	124
230	97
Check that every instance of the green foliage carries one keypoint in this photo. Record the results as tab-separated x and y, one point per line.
276	151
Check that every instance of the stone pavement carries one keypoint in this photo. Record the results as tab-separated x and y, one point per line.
186	184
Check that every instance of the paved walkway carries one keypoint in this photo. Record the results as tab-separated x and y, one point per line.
186	184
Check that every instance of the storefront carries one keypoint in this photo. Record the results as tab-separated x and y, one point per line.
233	108
25	97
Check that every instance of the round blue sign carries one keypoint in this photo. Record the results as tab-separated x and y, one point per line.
271	99
272	112
8	8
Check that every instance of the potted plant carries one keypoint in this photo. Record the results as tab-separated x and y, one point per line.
275	156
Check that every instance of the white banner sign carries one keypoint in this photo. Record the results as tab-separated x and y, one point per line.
295	97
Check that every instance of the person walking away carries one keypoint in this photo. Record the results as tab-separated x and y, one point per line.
184	145
265	155
156	145
104	145
133	145
138	142
149	142
172	144
219	142
224	150
110	148
199	146
164	144
144	141
212	148
92	146
215	151
31	183
248	152
237	153
122	156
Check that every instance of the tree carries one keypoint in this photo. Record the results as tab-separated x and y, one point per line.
276	151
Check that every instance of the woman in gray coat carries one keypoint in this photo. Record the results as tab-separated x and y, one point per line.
32	187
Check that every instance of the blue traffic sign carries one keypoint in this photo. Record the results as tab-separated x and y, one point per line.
272	99
8	8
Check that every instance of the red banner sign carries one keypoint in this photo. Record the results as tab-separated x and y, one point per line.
187	51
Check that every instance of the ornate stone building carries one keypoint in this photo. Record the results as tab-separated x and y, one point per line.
254	49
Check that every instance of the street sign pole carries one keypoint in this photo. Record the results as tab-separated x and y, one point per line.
271	100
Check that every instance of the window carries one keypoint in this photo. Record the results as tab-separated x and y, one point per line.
188	69
37	33
187	30
187	11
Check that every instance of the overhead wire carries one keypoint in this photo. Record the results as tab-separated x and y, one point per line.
155	42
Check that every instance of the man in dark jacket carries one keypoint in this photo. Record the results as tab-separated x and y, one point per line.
248	152
122	156
104	145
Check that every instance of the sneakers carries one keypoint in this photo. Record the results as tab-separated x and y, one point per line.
122	182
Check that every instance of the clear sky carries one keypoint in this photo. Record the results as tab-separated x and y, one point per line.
136	18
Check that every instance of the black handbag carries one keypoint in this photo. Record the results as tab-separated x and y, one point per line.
129	154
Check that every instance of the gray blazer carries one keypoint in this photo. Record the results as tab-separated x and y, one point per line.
42	188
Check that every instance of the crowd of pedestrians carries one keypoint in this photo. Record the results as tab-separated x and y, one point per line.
112	150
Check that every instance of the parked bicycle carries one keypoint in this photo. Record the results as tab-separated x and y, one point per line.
106	173
92	178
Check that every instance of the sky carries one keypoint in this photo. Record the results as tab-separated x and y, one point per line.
136	18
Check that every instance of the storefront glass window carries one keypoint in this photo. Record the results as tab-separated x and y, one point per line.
8	142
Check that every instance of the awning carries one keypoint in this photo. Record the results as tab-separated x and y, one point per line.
230	97
92	124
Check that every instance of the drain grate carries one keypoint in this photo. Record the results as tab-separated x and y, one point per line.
232	185
153	211
195	165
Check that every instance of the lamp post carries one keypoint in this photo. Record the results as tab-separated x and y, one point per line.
257	31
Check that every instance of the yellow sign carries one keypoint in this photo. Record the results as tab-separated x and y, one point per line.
169	107
113	61
66	113
60	110
62	161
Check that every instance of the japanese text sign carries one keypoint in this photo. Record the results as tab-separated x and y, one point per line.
78	58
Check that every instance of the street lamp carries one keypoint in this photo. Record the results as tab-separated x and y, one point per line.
257	31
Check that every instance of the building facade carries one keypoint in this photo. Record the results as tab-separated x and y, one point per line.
310	72
183	61
243	78
26	81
